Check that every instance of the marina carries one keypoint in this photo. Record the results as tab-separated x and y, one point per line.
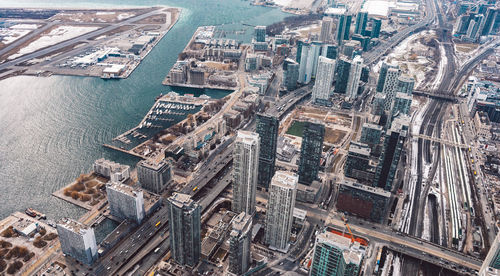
168	110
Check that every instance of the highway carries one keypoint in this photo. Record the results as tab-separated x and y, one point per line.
69	42
382	49
121	254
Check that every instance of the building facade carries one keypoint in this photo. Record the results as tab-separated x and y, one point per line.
153	176
125	202
491	264
239	244
245	171
310	152
326	29
185	229
280	207
109	169
267	128
370	203
393	146
383	74
391	87
77	240
323	85
290	74
354	76
335	255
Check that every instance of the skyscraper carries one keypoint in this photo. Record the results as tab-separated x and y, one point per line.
357	164
312	58
329	51
260	33
376	27
391	87
290	74
326	29
406	84
323	85
267	128
383	74
245	170
335	255
378	104
239	244
153	176
489	21
343	70
304	77
77	240
343	28
491	264
389	160
310	152
125	202
354	76
402	104
371	134
280	209
184	225
361	20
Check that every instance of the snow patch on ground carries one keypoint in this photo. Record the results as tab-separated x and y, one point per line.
413	57
123	16
25	26
378	7
9	35
441	68
57	35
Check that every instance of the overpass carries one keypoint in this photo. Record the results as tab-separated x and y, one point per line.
442	141
289	101
422	249
442	96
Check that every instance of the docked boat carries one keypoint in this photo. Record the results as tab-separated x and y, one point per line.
30	212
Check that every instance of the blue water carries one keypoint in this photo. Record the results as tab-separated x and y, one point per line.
52	129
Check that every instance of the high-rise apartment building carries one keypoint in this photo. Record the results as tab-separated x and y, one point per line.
239	244
304	76
383	74
245	171
376	27
393	145
326	29
310	152
378	104
371	134
402	104
361	21
323	85
354	76
185	229
343	71
154	176
125	202
267	128
290	74
357	164
77	240
489	21
406	84
391	87
336	255
343	28
260	33
280	207
491	264
329	51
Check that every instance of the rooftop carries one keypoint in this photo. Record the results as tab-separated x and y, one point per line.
73	225
247	137
241	220
374	190
180	200
124	189
285	179
360	148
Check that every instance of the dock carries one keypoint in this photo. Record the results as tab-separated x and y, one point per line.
123	150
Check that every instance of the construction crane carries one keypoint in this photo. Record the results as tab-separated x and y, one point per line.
348	228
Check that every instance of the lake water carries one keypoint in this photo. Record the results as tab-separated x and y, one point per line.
52	129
